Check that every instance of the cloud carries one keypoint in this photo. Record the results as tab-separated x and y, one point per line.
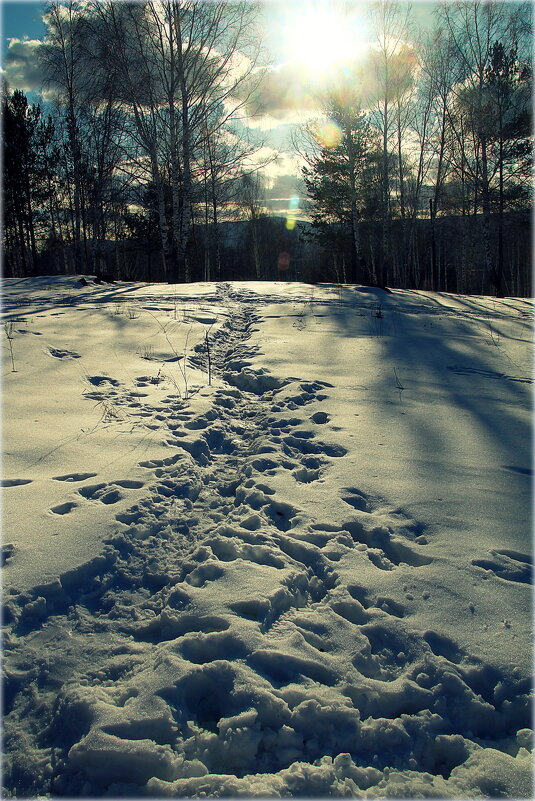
267	122
292	93
272	164
22	70
282	182
285	187
280	94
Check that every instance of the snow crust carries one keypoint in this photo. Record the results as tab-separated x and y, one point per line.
306	572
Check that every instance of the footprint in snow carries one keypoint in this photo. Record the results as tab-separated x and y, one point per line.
282	668
63	508
99	380
388	605
14	482
7	552
316	635
74	477
383	549
356	498
320	418
60	353
127	483
444	646
100	492
508	565
388	654
165	627
303	442
305	476
203	648
108	493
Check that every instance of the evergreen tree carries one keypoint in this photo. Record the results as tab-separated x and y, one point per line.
341	179
20	179
509	92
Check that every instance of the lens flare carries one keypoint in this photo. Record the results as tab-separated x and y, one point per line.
283	261
291	221
328	133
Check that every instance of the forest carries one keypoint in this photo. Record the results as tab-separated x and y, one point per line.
139	161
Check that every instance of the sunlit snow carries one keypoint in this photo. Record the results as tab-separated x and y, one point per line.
265	539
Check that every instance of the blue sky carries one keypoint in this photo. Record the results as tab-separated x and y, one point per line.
21	20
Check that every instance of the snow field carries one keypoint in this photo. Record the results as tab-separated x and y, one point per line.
254	599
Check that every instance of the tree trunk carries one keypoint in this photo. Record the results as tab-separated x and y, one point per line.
499	266
162	218
434	270
180	269
485	197
357	261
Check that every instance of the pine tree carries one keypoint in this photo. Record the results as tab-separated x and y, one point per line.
20	176
509	91
340	178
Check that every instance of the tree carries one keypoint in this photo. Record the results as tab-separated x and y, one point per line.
148	91
250	194
341	156
473	28
21	179
390	65
180	80
223	163
64	71
509	91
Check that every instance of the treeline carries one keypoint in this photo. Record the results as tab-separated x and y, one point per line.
142	143
423	171
418	171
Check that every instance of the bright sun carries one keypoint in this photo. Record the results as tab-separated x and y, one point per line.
319	37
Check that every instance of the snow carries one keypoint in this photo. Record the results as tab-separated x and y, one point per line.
305	572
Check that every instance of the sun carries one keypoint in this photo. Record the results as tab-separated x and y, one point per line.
320	37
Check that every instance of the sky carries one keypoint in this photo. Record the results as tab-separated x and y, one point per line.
302	41
19	20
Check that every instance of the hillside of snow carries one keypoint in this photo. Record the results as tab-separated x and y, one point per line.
265	539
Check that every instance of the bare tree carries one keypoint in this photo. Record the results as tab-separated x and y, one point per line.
391	80
183	67
250	195
473	29
62	57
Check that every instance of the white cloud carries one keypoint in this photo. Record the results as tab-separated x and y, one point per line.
276	164
267	122
22	70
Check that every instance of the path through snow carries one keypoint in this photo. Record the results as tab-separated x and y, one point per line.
223	642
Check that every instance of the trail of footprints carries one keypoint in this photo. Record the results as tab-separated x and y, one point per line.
231	603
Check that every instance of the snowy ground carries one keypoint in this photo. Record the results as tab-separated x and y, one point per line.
308	576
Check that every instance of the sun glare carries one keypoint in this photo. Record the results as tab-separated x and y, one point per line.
320	37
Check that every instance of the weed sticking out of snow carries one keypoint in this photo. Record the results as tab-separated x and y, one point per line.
399	386
146	352
9	329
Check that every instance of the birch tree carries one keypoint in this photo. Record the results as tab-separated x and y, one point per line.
473	28
182	67
390	23
62	58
